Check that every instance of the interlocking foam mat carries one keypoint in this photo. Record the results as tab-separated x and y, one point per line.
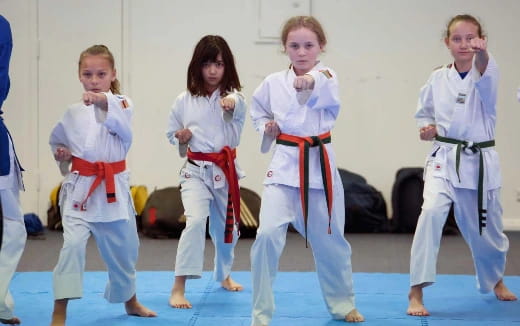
381	298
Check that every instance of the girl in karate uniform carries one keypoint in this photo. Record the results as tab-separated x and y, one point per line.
205	124
297	108
457	110
12	227
95	136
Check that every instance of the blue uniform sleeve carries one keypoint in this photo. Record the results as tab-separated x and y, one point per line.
6	45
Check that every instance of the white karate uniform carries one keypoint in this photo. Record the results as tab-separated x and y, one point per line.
14	233
204	188
463	109
308	113
96	135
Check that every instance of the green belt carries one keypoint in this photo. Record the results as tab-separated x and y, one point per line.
474	147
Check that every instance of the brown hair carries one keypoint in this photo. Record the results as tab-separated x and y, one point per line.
207	50
466	18
308	22
103	51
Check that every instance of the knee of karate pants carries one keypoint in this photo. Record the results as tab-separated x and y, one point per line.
196	223
15	236
190	250
72	256
21	239
271	238
431	221
425	245
267	248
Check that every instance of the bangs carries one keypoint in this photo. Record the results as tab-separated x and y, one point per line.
209	54
207	50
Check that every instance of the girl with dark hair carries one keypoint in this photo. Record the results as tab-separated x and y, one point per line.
205	124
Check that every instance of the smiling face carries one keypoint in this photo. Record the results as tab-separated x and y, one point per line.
459	42
303	48
96	73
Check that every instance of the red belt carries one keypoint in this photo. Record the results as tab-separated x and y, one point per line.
102	171
303	143
226	161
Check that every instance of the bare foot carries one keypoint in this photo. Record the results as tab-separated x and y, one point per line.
354	316
12	321
59	313
416	306
177	298
502	292
135	308
230	285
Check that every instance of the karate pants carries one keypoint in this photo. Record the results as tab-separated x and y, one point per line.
118	245
488	250
280	206
200	201
13	243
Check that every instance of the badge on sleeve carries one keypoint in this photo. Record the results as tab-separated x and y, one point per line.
124	103
327	73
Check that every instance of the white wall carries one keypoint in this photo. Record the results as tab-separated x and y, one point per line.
383	51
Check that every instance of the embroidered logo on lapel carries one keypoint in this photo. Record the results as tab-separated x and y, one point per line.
461	98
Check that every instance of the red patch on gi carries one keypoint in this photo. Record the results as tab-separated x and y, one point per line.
124	104
217	177
437	166
269	174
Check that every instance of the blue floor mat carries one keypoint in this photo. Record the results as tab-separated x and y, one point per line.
381	298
